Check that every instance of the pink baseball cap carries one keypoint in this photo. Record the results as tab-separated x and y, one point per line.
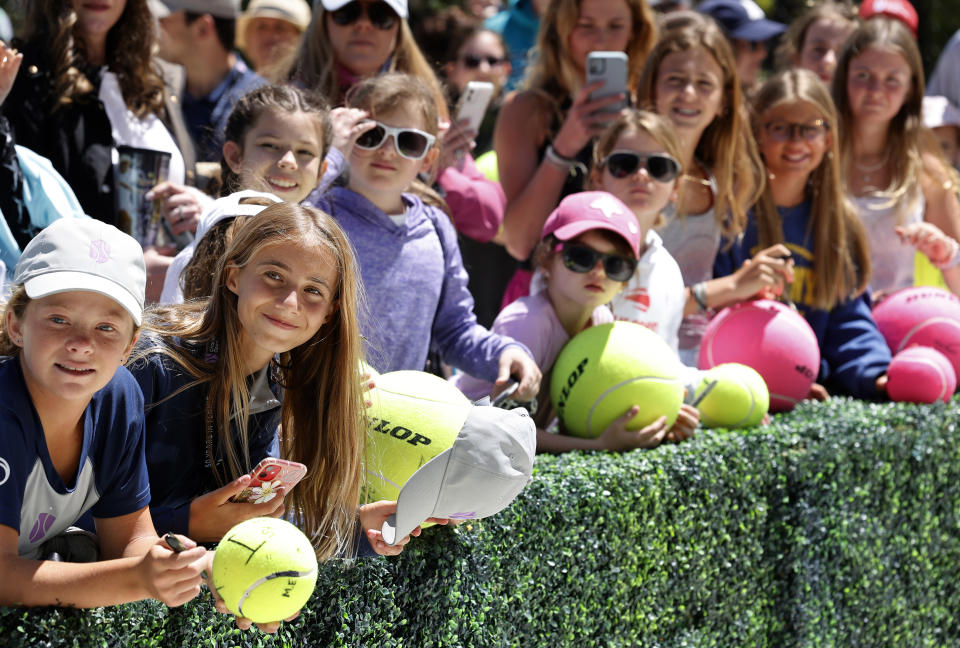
590	210
902	10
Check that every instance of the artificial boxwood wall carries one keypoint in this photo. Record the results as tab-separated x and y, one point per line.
836	525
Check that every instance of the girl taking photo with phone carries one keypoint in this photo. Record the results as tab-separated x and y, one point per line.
543	137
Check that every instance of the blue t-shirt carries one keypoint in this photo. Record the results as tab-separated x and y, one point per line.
853	353
176	435
111	478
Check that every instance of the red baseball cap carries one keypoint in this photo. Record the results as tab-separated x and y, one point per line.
902	10
590	210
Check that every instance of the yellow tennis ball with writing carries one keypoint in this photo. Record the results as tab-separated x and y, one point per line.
605	370
264	569
732	395
414	416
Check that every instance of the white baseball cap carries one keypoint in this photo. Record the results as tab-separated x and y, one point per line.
398	6
938	111
85	254
216	8
489	463
232	206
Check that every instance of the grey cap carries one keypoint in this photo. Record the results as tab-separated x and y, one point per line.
85	254
484	470
216	8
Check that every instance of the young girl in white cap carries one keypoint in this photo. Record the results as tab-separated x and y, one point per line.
71	430
274	144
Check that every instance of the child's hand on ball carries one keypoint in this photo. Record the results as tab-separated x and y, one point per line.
242	622
366	384
372	517
617	437
685	427
818	392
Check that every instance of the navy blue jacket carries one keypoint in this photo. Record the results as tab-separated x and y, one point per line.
853	353
176	434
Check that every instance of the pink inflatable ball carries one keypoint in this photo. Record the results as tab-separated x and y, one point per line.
773	339
920	375
922	316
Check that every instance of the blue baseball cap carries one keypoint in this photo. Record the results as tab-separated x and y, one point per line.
742	19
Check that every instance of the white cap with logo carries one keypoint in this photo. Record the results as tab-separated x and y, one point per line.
88	255
489	463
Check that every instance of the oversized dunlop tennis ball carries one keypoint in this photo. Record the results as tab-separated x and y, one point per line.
773	339
732	395
920	375
414	416
924	316
605	370
264	569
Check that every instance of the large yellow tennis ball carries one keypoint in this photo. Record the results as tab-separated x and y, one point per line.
414	416
732	395
264	569
603	371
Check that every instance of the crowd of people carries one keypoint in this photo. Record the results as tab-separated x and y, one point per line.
321	206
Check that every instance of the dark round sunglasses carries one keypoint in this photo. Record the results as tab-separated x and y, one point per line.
379	14
583	258
411	143
473	62
660	166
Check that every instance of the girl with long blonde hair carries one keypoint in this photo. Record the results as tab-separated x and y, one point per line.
691	79
277	342
904	191
805	218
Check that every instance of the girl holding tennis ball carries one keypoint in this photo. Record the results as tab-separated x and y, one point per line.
804	208
636	160
71	430
586	255
277	343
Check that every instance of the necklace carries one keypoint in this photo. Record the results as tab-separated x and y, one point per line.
867	171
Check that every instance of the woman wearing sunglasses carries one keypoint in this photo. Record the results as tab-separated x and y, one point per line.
636	160
413	275
348	41
543	137
587	253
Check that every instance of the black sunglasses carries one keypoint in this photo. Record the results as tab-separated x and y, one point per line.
583	258
379	14
660	166
411	143
473	62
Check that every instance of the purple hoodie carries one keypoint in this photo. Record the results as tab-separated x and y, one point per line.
416	287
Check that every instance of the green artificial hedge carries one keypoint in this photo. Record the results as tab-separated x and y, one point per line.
836	525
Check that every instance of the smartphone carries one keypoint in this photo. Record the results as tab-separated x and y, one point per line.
474	102
269	475
611	68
